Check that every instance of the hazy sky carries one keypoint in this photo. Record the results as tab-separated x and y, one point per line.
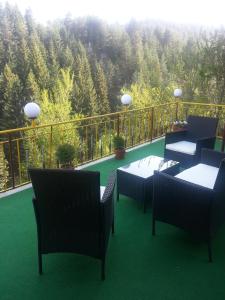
204	12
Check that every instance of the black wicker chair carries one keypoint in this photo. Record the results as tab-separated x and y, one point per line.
185	146
197	208
70	213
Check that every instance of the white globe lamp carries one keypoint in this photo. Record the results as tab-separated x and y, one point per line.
126	99
32	111
177	93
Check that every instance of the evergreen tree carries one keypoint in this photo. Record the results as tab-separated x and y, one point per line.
190	72
84	94
112	72
63	87
12	114
31	90
6	34
151	70
164	70
19	59
213	65
101	90
52	63
29	21
38	63
66	59
138	57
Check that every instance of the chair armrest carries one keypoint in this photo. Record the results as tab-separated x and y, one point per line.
108	193
206	142
212	157
218	208
107	210
181	203
107	203
173	137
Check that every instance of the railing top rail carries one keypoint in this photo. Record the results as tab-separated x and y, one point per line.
22	129
9	131
203	104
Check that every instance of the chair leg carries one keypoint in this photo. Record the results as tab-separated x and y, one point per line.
113	227
153	225
103	268
209	250
144	199
144	206
40	263
117	194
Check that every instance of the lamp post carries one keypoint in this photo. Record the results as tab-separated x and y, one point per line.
177	94
126	101
32	111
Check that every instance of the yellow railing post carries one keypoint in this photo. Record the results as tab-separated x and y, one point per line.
177	106
152	123
50	146
118	125
19	161
11	162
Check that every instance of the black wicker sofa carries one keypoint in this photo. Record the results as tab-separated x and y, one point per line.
193	199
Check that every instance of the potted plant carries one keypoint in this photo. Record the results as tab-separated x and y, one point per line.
65	155
179	125
119	147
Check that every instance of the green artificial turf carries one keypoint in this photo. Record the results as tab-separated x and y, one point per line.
169	266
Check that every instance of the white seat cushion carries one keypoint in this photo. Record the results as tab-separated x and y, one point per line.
200	174
102	190
183	147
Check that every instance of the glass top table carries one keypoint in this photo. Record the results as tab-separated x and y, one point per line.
135	179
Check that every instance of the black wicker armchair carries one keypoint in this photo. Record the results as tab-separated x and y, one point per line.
71	214
185	146
194	199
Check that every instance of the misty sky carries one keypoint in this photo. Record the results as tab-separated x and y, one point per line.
210	13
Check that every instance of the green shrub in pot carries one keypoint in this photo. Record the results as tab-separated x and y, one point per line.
65	154
119	146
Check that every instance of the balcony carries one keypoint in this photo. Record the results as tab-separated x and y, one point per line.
170	265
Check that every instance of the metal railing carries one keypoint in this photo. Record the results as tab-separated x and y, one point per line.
91	136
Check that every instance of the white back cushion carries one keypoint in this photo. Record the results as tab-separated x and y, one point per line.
183	147
200	174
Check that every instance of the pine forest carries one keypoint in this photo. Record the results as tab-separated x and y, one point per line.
81	67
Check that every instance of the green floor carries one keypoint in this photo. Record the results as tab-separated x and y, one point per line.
170	265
